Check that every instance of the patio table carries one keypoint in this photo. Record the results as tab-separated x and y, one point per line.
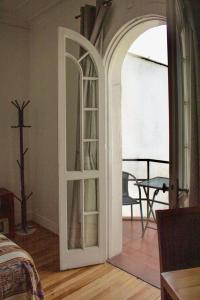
158	184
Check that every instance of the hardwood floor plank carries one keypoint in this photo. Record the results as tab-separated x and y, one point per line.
140	255
109	282
84	278
100	282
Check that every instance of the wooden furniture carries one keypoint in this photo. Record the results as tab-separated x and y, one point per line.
181	284
7	218
178	238
21	164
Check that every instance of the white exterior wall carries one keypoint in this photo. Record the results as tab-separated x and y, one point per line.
145	119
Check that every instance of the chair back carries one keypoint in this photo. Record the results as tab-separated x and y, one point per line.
125	179
178	238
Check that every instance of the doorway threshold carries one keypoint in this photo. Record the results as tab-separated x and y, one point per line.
140	255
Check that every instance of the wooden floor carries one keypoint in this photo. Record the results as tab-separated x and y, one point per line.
97	282
140	256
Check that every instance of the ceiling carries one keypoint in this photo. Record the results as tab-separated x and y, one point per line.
12	5
23	11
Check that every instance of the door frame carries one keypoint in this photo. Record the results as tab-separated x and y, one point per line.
113	59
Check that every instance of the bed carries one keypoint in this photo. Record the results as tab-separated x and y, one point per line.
19	279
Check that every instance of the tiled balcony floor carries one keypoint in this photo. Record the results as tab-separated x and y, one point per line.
139	256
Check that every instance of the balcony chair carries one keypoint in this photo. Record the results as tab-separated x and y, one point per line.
129	200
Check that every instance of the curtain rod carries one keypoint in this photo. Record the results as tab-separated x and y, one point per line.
106	3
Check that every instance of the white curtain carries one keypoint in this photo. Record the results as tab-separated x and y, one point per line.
194	196
94	32
189	109
192	106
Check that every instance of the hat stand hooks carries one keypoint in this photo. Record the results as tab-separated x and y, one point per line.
24	228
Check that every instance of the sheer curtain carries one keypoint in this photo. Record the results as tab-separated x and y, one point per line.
188	82
92	29
192	101
88	14
194	195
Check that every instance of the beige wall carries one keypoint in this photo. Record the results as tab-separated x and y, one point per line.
44	92
43	155
125	11
14	84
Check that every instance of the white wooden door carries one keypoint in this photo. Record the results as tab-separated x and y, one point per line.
81	132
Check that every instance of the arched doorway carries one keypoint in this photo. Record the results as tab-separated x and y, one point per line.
113	60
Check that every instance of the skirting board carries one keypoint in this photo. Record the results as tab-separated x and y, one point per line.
45	222
18	217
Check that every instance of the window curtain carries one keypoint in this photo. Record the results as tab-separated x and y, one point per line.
186	84
193	85
191	98
92	19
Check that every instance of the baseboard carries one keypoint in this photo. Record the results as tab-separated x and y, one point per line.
45	222
18	217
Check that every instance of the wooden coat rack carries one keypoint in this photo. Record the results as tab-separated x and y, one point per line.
24	198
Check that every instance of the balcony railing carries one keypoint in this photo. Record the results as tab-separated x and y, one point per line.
149	162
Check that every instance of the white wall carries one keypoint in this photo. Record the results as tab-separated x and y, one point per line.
145	118
44	93
123	12
14	84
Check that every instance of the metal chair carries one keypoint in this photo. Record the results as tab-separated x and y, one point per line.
127	199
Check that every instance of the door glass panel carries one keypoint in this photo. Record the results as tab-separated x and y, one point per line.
90	125
91	230
89	69
90	156
74	48
90	195
73	92
74	208
81	85
90	93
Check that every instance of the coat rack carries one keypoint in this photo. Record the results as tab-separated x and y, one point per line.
24	228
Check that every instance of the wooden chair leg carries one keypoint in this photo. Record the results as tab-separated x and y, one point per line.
164	294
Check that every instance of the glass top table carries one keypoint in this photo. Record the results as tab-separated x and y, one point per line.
158	184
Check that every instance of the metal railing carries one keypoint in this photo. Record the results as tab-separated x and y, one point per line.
148	161
148	171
